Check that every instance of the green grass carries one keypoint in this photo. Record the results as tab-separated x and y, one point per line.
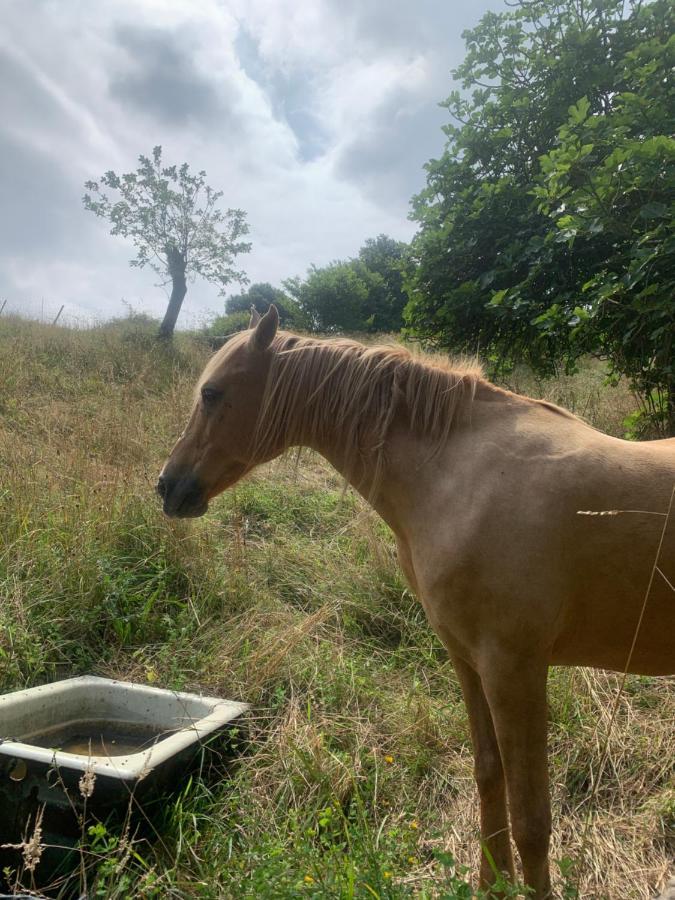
356	776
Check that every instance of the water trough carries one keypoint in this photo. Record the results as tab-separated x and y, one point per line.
93	744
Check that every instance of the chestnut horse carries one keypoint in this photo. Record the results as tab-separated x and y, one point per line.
482	489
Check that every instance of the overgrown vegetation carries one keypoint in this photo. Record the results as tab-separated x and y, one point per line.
546	227
357	781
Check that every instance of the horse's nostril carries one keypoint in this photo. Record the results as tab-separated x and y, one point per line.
182	496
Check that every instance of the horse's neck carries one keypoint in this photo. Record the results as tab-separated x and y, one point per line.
406	478
389	484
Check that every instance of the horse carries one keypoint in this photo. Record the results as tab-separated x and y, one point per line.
483	490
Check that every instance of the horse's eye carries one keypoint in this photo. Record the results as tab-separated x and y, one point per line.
210	395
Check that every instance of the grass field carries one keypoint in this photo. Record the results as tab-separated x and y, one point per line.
357	780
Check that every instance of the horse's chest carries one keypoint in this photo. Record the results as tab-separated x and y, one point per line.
446	590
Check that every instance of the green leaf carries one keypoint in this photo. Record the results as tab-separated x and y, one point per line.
653	210
579	112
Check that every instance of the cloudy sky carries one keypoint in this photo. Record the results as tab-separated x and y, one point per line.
314	116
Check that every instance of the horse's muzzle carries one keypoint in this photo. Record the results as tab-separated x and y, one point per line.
183	497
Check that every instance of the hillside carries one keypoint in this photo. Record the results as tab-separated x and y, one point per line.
357	781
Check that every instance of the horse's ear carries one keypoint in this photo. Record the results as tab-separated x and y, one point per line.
255	317
265	330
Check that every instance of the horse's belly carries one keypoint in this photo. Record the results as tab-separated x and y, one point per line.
622	636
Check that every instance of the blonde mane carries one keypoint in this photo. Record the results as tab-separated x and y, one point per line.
319	387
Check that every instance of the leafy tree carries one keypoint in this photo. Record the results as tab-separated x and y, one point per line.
238	310
385	257
362	294
611	180
172	218
334	298
496	267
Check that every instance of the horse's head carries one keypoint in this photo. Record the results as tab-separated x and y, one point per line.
217	446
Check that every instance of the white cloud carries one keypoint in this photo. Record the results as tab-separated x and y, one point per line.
315	116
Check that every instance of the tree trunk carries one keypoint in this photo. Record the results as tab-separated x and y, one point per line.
176	266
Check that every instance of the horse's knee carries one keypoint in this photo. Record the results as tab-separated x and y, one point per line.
489	775
532	834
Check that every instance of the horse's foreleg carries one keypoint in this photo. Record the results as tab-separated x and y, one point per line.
494	826
516	694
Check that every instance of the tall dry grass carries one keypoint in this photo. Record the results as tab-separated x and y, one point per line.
357	778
